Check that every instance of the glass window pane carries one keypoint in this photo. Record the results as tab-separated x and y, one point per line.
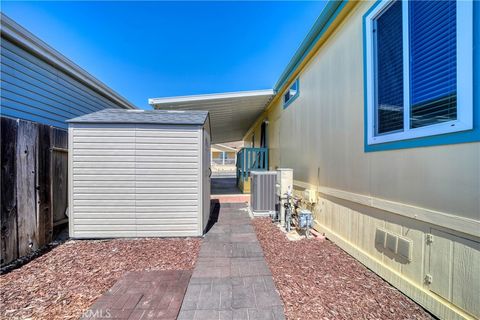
291	92
287	96
389	70
293	89
433	62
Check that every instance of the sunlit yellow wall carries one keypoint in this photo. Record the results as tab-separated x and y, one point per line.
411	192
253	139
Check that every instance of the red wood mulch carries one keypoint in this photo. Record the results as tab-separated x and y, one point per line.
64	282
318	280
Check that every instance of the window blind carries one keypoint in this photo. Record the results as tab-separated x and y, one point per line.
389	65
433	67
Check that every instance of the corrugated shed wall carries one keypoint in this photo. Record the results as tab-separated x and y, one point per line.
135	180
34	90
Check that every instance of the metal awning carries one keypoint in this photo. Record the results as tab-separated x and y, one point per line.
231	114
222	148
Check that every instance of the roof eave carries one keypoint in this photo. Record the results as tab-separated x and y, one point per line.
222	147
210	96
328	14
108	119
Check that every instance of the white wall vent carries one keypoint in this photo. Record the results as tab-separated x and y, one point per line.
380	236
396	244
391	242
404	248
309	196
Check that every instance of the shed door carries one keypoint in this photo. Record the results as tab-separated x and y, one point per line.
167	173
102	180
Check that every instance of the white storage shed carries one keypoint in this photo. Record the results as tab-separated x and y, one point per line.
137	173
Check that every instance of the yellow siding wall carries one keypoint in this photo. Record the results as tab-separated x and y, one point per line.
218	155
253	139
410	192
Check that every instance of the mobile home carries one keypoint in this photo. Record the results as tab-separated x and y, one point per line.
378	114
42	85
40	89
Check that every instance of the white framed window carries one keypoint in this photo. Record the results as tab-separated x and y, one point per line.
419	62
291	94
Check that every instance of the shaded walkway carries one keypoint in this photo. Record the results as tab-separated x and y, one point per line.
224	185
224	190
231	279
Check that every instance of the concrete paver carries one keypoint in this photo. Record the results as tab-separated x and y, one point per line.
142	295
231	279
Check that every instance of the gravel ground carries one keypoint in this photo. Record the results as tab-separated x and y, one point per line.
318	280
64	282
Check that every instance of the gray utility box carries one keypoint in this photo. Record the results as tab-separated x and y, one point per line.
263	192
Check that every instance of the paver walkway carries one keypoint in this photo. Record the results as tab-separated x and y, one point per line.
224	190
142	295
231	279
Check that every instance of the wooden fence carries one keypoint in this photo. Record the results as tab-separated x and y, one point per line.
34	164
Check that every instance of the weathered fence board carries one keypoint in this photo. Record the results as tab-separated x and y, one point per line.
9	248
44	200
33	186
59	175
26	195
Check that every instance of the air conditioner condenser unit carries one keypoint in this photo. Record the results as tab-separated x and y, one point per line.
263	192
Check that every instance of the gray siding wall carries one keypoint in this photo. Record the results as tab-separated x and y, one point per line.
135	180
34	90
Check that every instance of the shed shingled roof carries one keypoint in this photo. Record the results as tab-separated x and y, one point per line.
144	116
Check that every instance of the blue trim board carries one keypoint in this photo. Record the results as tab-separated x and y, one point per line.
289	102
328	15
443	139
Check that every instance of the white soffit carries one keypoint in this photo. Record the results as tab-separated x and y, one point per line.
231	114
222	148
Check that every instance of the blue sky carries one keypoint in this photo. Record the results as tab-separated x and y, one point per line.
156	49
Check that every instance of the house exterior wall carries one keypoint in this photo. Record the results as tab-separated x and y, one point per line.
135	180
35	90
217	156
412	193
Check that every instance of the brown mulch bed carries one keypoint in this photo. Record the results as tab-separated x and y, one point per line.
318	280
64	282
